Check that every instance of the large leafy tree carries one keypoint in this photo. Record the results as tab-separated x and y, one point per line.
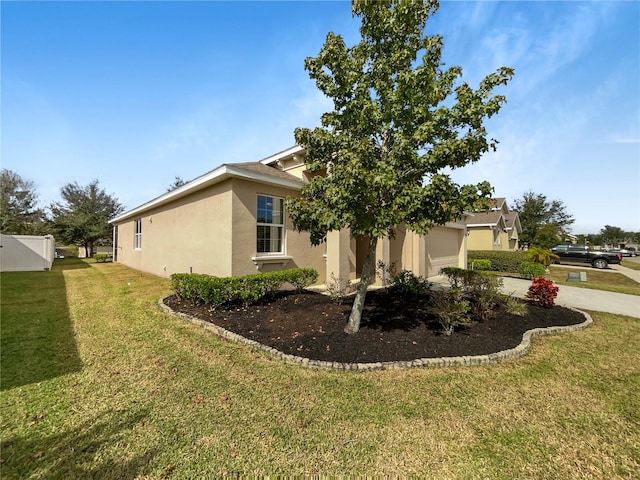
19	211
612	236
399	120
83	215
543	221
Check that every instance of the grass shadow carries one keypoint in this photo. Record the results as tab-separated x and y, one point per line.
77	452
36	336
69	263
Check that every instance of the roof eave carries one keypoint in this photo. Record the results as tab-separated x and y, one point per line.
216	176
283	154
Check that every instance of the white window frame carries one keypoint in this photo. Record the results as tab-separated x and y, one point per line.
272	225
497	241
137	235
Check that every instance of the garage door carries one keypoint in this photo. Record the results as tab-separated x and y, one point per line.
443	247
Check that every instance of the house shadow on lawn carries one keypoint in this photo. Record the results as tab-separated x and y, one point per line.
37	338
76	452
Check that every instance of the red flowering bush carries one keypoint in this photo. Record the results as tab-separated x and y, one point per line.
542	292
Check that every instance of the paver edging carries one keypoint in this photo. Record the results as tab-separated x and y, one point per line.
504	355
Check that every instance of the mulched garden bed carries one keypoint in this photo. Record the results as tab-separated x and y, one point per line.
394	327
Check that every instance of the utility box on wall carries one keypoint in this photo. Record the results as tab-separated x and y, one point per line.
26	253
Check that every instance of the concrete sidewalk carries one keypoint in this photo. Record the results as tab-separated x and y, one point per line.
586	298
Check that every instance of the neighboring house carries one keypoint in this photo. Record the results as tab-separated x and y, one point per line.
96	249
497	229
231	221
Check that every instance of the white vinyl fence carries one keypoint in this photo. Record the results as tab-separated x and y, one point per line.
26	253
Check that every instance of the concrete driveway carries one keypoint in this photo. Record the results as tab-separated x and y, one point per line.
587	298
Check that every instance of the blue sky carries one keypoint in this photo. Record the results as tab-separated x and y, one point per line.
136	93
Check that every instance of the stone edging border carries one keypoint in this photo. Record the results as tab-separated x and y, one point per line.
511	354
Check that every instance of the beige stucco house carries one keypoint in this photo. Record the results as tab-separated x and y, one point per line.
497	229
231	221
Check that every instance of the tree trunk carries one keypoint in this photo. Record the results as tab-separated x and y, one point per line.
368	272
88	247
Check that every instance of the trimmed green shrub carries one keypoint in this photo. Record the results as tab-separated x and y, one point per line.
301	278
482	289
405	281
532	269
205	289
458	277
481	264
501	261
101	257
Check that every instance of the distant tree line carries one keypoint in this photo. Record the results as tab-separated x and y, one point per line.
546	223
81	217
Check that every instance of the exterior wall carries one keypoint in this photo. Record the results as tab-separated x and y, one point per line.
513	242
26	253
297	247
480	238
191	234
445	247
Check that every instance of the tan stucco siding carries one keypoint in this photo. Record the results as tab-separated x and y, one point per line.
243	250
480	238
444	248
191	234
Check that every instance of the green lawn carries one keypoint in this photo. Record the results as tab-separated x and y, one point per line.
596	279
97	382
631	264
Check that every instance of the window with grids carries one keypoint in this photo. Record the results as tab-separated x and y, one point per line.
137	237
270	220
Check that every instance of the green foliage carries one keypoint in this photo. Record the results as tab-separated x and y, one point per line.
177	182
613	235
84	213
405	281
542	292
386	272
215	291
338	289
543	221
19	212
458	277
541	255
501	261
101	257
484	292
450	308
481	264
532	269
482	289
399	118
514	306
301	278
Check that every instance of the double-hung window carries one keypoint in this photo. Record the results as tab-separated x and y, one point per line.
270	223
137	237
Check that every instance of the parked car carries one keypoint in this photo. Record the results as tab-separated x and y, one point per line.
581	254
624	252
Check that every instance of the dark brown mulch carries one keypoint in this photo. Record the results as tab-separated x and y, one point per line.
394	327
